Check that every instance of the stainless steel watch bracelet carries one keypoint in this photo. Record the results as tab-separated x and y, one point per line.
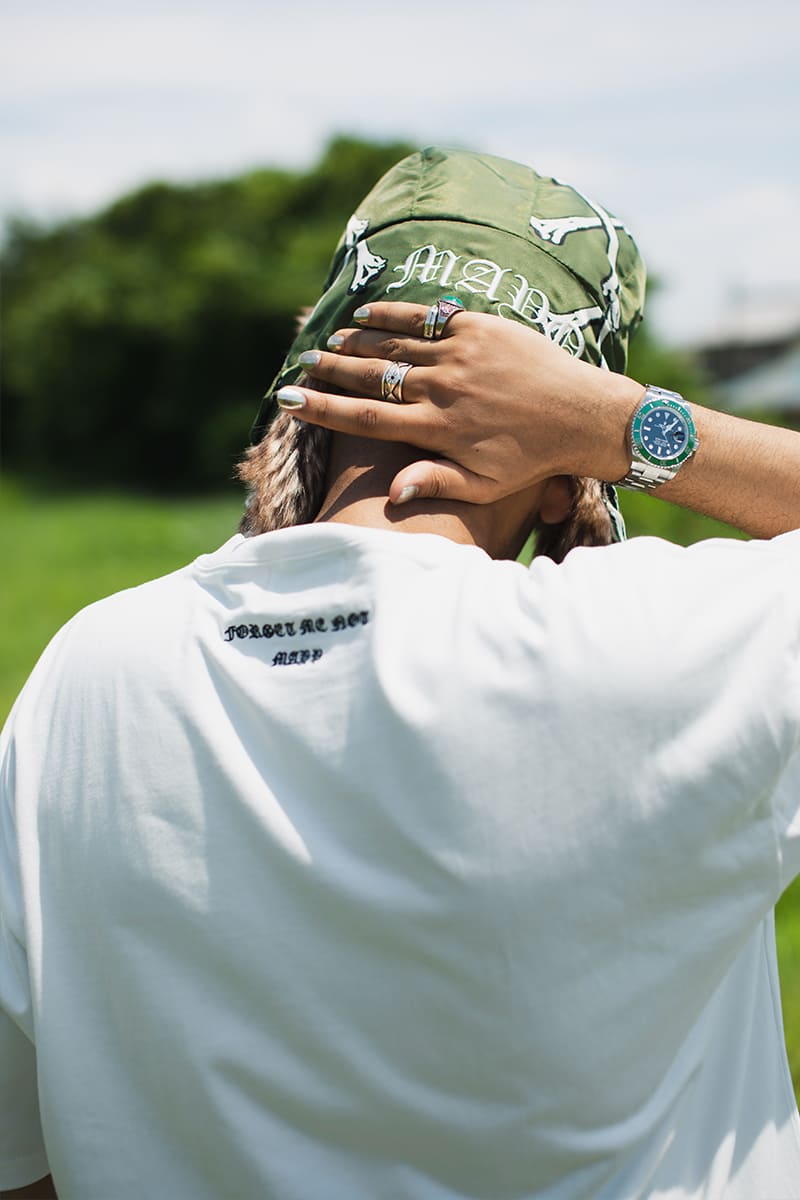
643	477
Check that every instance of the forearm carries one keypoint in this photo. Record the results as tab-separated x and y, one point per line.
502	407
744	473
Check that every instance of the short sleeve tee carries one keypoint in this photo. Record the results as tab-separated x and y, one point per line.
351	863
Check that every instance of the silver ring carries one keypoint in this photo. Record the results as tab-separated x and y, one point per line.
392	381
439	314
429	330
446	307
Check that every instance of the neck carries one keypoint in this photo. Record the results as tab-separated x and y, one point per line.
359	475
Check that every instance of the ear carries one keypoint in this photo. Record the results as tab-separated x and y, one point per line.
556	503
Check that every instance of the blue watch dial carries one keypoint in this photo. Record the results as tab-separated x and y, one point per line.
663	436
664	433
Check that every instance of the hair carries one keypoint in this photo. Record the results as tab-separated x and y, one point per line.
286	477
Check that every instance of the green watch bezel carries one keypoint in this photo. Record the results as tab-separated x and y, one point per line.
637	446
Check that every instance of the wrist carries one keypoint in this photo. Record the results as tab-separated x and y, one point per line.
607	410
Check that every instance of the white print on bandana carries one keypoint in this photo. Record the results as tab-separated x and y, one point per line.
556	229
510	290
368	265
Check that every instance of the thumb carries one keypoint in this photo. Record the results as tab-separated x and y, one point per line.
441	480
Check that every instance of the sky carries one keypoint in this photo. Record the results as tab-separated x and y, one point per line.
682	118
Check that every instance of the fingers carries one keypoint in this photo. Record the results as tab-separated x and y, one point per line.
392	329
359	376
377	343
441	479
393	315
353	415
397	317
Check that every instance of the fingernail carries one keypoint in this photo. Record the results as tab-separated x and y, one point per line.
289	397
335	341
361	314
309	358
408	493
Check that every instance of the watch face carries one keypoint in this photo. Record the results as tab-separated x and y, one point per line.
663	432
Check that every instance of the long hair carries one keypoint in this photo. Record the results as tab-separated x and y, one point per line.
285	475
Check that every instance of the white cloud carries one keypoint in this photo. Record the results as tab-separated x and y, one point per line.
629	100
419	52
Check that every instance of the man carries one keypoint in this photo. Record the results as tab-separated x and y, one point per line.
355	861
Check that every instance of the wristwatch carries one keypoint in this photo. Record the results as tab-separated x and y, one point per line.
663	438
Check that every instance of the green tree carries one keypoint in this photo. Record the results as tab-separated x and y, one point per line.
650	361
139	341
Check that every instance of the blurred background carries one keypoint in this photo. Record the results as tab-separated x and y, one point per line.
175	174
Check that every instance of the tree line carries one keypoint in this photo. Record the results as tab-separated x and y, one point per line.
138	341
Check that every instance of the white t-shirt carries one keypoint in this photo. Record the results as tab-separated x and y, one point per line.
351	865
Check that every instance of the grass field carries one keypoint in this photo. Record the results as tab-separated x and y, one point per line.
59	553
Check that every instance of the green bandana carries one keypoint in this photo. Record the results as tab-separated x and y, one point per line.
499	237
496	235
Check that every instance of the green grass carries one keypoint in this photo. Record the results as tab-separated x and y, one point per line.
61	552
646	515
787	924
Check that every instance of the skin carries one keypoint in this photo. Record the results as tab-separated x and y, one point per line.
360	472
502	408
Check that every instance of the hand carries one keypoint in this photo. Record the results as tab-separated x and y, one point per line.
500	405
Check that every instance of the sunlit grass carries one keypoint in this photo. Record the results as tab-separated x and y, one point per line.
61	552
